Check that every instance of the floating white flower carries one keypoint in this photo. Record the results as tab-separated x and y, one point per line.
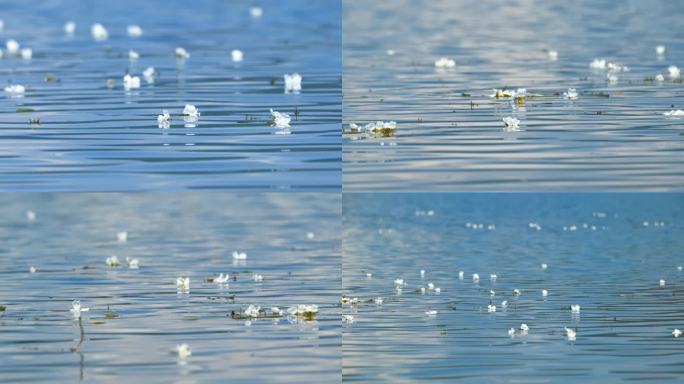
148	74
673	70
276	311
399	282
239	255
293	82
384	127
30	215
544	266
612	78
12	47
461	275
32	269
347	319
476	277
492	293
431	286
69	27
571	94
553	55
183	351
369	275
612	67
662	282
422	290
256	12
131	82
221	278
190	110
122	236
164	120
257	277
492	277
516	292
524	327
132	263
545	292
112	261
183	283
570	334
305	310
26	53
676	332
133	55
445	63
379	300
280	120
134	31
422	273
504	304
575	308
252	311
438	290
99	32
181	53
431	312
598	64
511	332
76	308
491	308
519	93
659	77
660	50
511	123
236	55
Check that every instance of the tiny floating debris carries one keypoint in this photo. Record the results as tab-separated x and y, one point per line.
662	282
445	63
544	266
183	283
676	332
112	261
76	309
570	334
348	319
305	311
293	83
32	269
99	32
69	27
164	120
280	120
131	82
183	351
133	55
239	255
132	263
660	50
571	94
122	236
134	31
553	55
575	308
256	12
15	89
30	215
511	124
236	55
181	53
461	274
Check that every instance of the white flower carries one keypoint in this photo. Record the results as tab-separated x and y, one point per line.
492	293
12	47
26	53
183	351
221	278
347	319
148	74
662	282
524	327
476	277
445	63
399	282
380	126
257	277
431	312
133	55
612	67
99	32
69	27
164	120
677	332
132	263
293	82
422	290
280	120
239	255
369	275
431	286
570	94
575	308
277	311
511	332
76	308
612	78
491	308
112	261
553	55
544	266
190	110
134	31
422	273
307	310
492	277
181	53
673	70
660	50
236	55
511	123
183	283
379	300
516	292
571	335
460	275
545	292
32	269
598	64
256	12
130	82
506	93
504	304
122	236
660	77
252	311
30	215
438	290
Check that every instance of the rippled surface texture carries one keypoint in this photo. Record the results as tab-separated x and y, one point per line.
611	268
91	137
291	240
450	134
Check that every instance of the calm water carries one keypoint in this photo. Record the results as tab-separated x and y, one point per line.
171	235
443	142
93	138
613	271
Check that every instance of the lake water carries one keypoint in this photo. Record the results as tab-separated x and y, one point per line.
292	240
450	133
611	267
93	138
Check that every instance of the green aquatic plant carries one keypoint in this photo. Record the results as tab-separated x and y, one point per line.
25	110
2	308
111	315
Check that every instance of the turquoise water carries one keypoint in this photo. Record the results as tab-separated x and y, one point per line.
291	240
93	138
611	268
450	134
